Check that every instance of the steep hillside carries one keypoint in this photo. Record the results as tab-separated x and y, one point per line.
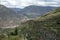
46	27
33	11
9	17
17	10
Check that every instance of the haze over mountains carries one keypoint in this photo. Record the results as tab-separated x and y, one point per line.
33	11
9	17
44	27
14	16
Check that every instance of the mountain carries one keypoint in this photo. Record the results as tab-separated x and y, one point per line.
16	9
33	11
9	17
46	27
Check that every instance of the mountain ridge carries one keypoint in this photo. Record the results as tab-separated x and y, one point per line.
47	24
33	11
9	17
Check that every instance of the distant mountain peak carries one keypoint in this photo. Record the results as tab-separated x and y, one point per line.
33	11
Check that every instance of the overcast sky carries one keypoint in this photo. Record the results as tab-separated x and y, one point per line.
24	3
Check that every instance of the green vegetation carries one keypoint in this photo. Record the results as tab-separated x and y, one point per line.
10	34
46	27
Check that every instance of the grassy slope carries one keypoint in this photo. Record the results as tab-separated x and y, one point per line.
35	29
49	22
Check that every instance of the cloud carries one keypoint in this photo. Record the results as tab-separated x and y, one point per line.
13	2
24	3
